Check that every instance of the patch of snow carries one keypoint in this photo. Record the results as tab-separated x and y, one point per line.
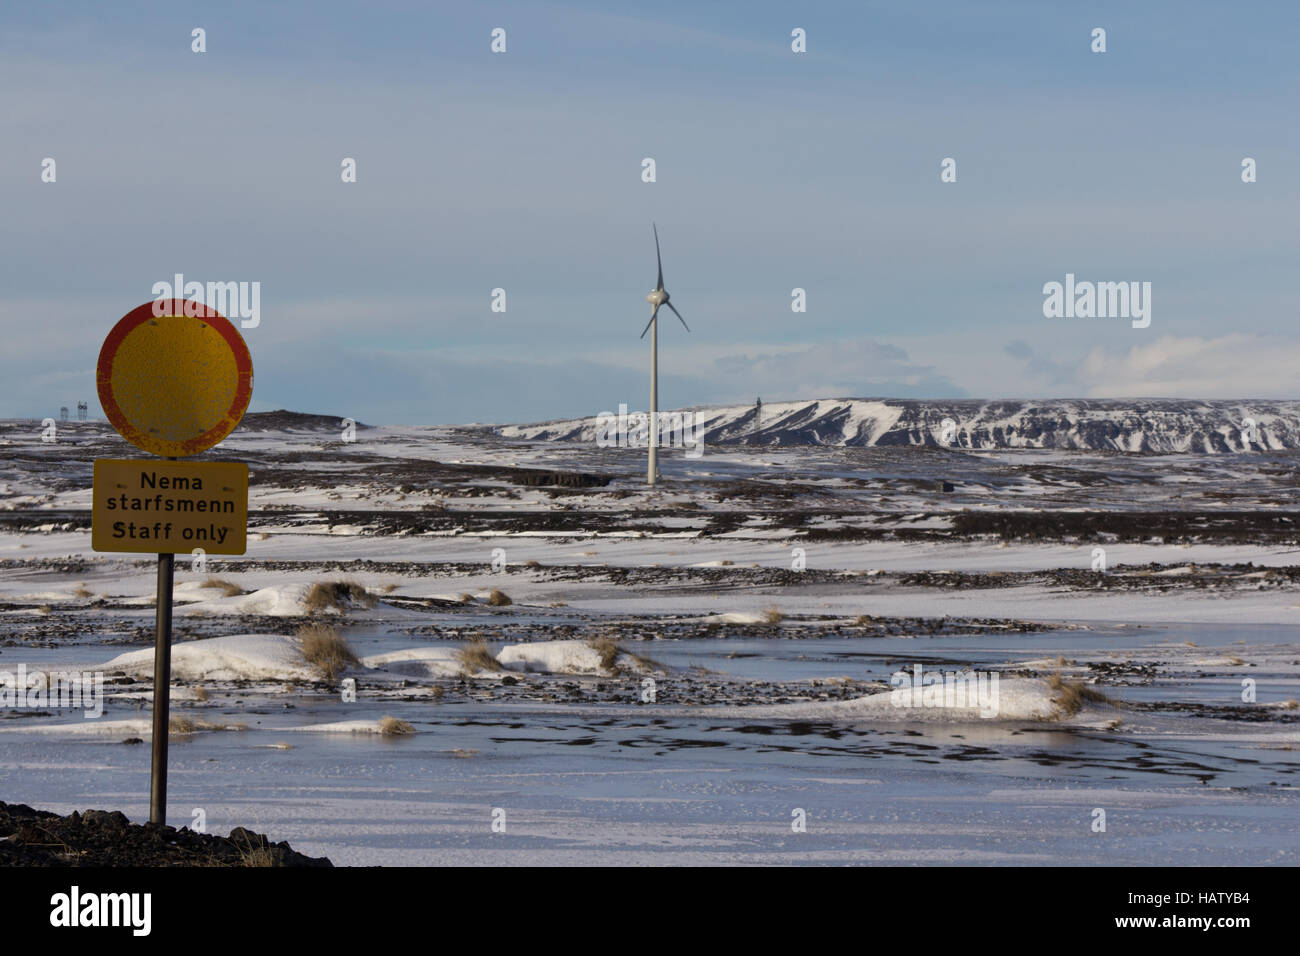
236	657
560	657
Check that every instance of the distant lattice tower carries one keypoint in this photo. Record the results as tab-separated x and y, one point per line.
82	411
63	413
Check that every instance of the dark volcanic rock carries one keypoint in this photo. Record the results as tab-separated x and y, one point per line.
107	838
283	420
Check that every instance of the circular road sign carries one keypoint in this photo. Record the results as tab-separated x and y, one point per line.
177	383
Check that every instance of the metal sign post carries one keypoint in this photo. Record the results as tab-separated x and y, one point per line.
175	378
162	672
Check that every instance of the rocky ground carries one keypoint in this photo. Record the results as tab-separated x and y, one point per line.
100	838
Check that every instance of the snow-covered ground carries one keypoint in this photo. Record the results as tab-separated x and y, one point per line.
680	675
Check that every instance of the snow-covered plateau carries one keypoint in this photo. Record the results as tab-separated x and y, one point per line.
832	637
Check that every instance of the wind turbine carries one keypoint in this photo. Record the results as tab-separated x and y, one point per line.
657	298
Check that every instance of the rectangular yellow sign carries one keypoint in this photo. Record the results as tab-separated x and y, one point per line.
160	507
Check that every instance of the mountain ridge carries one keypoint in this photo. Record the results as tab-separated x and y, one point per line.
1165	425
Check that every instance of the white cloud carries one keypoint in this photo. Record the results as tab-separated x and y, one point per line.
1228	366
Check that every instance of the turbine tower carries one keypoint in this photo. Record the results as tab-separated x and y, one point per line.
657	298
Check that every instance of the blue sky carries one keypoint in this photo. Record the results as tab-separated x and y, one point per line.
775	171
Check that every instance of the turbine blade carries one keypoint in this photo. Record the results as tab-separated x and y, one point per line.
651	322
658	258
679	316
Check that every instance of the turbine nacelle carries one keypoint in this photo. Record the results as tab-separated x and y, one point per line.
659	297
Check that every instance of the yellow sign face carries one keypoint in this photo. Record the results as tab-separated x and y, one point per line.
157	507
174	378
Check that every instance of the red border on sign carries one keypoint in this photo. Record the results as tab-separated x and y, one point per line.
174	307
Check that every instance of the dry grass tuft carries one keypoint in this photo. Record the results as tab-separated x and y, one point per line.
323	648
773	615
259	854
392	727
82	591
467	599
338	596
1290	704
475	656
610	651
1073	694
228	588
499	598
530	563
180	726
200	692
